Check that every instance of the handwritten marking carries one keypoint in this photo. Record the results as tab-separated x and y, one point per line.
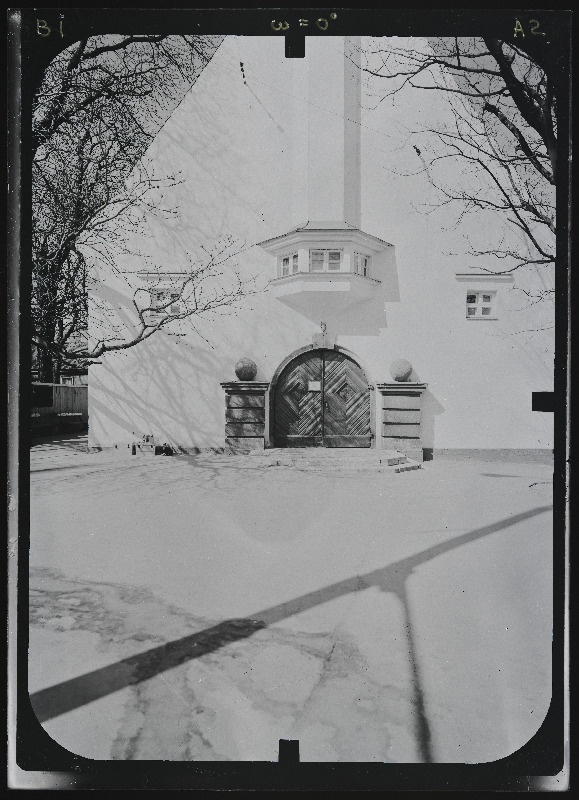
534	25
43	28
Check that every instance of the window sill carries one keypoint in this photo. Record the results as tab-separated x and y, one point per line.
481	319
337	273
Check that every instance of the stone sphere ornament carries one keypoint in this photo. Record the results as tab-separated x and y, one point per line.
401	369
246	369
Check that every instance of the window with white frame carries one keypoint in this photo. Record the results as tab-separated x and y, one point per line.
289	265
361	264
481	305
160	298
325	260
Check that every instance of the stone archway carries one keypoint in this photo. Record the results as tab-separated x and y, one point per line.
321	398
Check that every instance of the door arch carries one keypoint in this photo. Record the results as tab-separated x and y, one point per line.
321	398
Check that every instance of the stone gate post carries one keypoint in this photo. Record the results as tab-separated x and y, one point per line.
245	414
401	417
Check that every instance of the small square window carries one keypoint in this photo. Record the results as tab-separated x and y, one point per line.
158	299
479	304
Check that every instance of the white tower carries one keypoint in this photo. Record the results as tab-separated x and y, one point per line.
326	263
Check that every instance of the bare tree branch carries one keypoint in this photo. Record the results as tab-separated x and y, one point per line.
99	105
502	141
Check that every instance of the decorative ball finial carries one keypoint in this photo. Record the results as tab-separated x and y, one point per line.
246	369
401	369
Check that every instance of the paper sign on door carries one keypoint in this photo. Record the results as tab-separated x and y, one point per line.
314	386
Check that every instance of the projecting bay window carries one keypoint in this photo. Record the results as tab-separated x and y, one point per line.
289	265
325	260
481	305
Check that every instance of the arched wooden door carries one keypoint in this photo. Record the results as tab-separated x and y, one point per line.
322	399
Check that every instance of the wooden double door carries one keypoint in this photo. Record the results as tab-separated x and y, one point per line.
322	399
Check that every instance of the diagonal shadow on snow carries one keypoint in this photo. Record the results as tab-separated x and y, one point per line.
76	692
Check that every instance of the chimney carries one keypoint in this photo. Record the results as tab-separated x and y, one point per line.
326	100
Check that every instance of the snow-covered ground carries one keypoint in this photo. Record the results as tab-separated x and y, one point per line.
203	607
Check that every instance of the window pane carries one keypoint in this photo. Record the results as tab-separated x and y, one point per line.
486	311
471	298
471	311
366	263
317	260
334	259
486	298
295	262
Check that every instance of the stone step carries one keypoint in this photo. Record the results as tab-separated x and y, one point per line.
356	468
329	454
335	461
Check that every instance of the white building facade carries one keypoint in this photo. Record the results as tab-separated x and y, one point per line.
367	322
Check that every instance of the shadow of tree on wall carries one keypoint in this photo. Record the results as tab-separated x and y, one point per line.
225	188
74	693
159	393
170	385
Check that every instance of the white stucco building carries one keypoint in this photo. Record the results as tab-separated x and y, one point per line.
309	176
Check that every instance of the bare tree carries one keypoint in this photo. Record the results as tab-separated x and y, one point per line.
99	106
502	138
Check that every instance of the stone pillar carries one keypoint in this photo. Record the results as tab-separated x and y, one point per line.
245	415
401	417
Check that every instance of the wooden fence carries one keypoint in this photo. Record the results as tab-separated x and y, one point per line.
50	399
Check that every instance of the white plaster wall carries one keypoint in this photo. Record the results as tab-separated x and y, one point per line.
232	144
